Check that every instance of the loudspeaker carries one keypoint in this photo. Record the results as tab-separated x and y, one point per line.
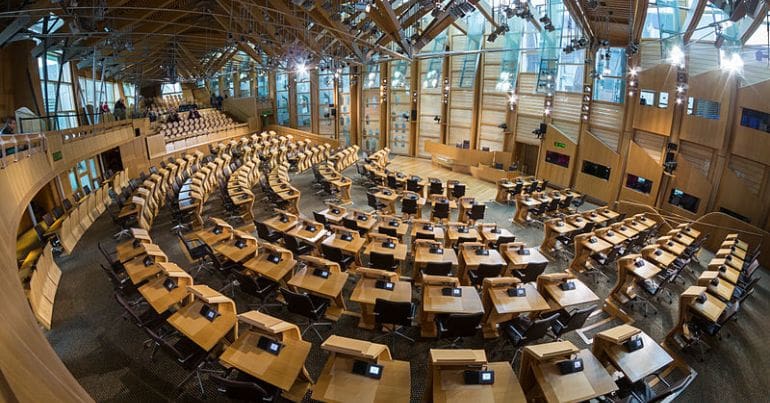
414	114
333	111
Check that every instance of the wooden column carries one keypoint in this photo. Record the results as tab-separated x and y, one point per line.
384	105
355	105
414	117
253	83
236	84
292	100
315	125
478	83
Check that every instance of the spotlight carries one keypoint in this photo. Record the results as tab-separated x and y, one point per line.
545	19
593	4
676	55
437	119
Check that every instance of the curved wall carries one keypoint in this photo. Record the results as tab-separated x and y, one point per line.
30	369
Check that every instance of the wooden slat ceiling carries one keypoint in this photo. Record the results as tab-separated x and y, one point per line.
140	40
618	21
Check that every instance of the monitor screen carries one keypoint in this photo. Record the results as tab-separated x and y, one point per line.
597	170
638	183
683	200
555	158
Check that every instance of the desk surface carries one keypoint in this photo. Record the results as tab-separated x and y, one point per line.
592	382
422	255
532	302
273	271
330	287
399	252
208	237
160	298
636	365
616	238
599	245
352	246
454	234
489	236
366	293
710	309
235	254
308	236
338	383
662	258
520	261
200	330
278	370
438	232
276	223
580	295
138	272
449	386
472	259
434	302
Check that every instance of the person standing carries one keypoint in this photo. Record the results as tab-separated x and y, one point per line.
119	110
10	126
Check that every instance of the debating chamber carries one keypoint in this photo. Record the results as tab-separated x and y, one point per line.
385	201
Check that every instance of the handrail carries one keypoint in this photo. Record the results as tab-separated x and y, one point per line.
14	145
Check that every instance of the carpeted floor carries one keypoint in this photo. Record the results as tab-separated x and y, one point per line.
106	354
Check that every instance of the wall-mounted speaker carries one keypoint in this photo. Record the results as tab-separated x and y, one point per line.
414	114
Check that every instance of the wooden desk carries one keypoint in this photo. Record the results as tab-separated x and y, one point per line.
453	233
658	256
206	334
127	250
503	188
559	298
449	386
279	370
312	237
635	365
419	227
490	237
365	294
351	247
366	224
723	289
681	237
235	254
686	229
584	248
399	252
331	216
628	276
343	187
523	204
274	271
518	261
423	256
595	217
593	381
504	307
434	303
469	260
675	248
276	223
210	238
330	287
730	250
625	230
137	271
554	229
387	197
611	215
711	308
612	237
338	383
159	297
401	228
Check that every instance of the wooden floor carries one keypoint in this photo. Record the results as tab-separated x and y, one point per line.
480	189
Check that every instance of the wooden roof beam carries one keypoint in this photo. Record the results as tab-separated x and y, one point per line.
388	22
696	16
759	17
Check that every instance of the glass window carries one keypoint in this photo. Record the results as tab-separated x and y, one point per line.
611	69
663	100
263	85
244	85
755	119
282	98
343	111
171	89
372	76
703	108
646	98
303	100
684	200
59	106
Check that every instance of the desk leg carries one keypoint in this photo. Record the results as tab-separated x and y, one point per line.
490	324
367	317
427	325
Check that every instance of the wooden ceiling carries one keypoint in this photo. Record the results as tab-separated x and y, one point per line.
618	21
146	40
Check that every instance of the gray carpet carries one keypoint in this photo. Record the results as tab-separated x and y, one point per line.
106	354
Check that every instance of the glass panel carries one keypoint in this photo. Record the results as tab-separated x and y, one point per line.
343	111
303	100
282	98
92	164
263	85
400	107
244	85
73	181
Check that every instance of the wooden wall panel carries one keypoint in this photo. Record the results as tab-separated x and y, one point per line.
698	156
556	174
568	128
640	163
650	51
594	150
524	127
652	143
651	118
714	86
606	115
735	194
529	102
610	138
747	142
566	106
750	172
690	179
